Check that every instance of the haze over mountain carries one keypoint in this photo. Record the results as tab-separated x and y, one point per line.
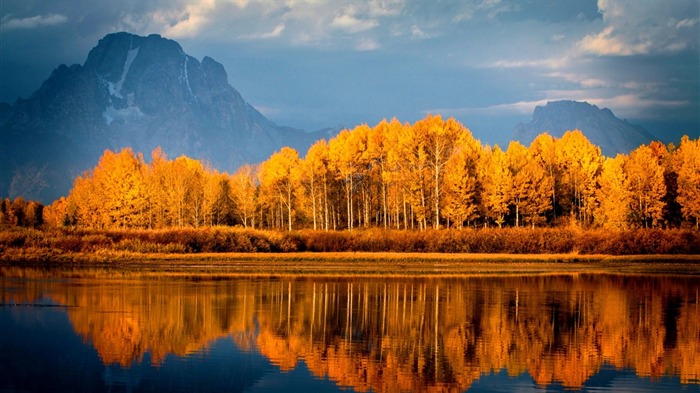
132	91
145	92
600	126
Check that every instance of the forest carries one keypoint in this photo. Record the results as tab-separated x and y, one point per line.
431	174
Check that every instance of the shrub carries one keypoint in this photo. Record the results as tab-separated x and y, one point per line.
473	240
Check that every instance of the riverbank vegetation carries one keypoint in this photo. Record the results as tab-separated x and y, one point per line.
542	241
432	174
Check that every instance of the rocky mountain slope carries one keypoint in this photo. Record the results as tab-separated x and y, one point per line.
135	91
600	126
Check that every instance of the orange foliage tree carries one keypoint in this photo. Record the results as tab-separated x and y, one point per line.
689	179
430	174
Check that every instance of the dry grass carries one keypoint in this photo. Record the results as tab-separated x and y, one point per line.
223	265
366	252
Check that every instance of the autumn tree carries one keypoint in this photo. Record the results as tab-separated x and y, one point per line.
112	195
440	139
398	172
613	194
84	207
121	187
314	177
219	199
277	176
5	211
461	181
543	152
243	190
183	186
498	184
33	214
688	157
646	186
365	171
517	161
535	182
55	214
392	175
346	161
17	212
579	162
378	147
415	172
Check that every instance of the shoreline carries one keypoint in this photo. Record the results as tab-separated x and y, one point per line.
349	264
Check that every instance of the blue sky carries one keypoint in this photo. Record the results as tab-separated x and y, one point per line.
314	64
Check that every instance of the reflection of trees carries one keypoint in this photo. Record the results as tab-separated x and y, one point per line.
445	334
428	335
124	319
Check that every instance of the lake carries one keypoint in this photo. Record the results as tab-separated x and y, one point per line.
94	332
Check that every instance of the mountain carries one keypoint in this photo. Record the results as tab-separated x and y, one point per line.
600	126
140	92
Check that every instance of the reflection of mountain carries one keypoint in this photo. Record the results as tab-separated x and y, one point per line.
437	335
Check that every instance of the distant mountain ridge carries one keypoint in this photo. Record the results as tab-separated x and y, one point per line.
600	126
134	91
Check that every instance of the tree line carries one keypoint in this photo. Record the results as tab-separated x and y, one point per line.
431	174
21	213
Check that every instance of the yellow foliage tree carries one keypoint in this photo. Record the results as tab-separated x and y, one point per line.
243	191
414	167
314	173
422	175
398	175
378	148
517	163
613	194
114	194
579	162
461	181
277	178
498	185
440	138
646	186
543	151
688	154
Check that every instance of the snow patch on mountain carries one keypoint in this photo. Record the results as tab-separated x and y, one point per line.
116	89
111	114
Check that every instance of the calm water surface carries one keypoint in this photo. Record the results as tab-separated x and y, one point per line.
536	333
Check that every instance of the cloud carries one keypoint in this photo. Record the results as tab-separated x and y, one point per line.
311	23
550	63
32	22
380	8
558	37
520	107
274	33
367	44
352	24
608	43
489	9
517	108
686	23
416	32
643	28
633	105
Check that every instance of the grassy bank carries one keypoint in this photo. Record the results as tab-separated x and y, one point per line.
223	265
220	252
226	239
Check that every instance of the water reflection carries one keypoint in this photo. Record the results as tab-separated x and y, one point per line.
392	335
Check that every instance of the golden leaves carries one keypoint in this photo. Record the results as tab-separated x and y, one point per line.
394	175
